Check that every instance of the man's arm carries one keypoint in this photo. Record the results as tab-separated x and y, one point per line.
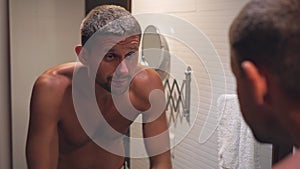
155	127
158	146
42	139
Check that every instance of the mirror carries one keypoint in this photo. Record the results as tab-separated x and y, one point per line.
155	51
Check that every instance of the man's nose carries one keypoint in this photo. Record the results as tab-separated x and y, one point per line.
122	68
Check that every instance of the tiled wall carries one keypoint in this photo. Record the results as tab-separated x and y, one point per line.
212	76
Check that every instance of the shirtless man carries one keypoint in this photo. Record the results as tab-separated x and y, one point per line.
62	99
265	59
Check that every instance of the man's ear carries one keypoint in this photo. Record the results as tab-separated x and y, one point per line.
81	54
256	80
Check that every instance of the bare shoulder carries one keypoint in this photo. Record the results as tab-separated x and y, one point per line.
50	87
144	82
56	78
290	162
146	79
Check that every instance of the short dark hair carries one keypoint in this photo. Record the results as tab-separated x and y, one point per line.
108	19
267	32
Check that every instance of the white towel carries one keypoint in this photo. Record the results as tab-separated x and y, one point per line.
237	146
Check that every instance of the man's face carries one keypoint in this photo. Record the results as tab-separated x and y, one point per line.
118	61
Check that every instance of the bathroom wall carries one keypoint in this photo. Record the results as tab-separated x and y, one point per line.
43	34
213	19
5	154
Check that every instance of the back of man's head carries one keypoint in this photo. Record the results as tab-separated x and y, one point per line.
267	32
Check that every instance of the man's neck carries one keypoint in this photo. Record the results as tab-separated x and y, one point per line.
292	125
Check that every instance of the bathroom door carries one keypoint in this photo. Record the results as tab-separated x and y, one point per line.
42	34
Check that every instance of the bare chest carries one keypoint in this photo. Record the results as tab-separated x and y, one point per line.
86	121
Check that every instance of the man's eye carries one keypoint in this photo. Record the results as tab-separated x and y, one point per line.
131	54
109	57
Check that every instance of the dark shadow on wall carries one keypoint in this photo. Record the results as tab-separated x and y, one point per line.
90	4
